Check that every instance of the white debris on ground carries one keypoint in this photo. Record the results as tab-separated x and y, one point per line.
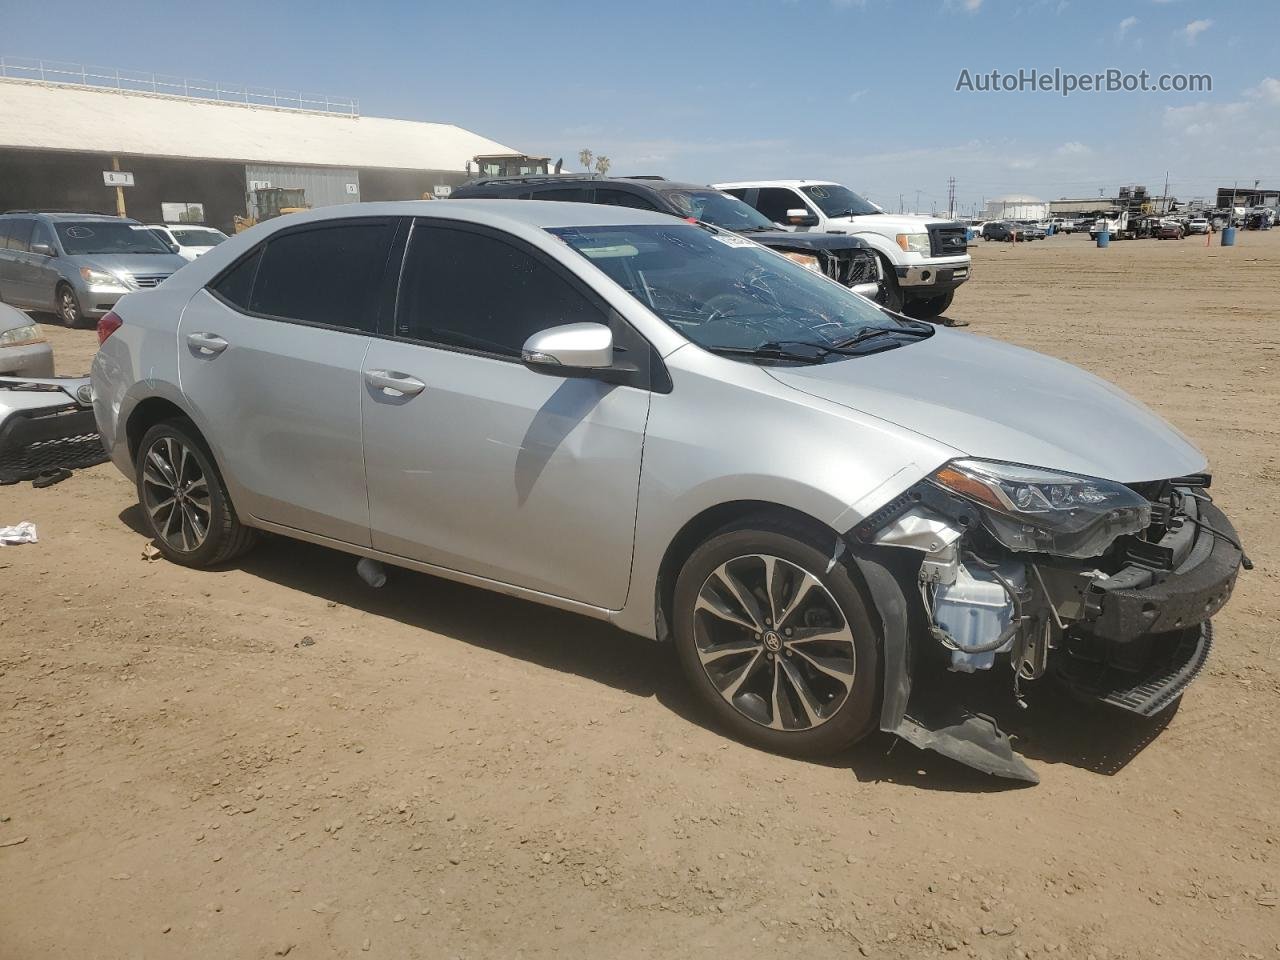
24	532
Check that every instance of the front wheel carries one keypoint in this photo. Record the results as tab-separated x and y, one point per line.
891	297
777	641
185	505
69	307
929	308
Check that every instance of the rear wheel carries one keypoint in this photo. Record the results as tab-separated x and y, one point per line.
777	641
185	505
929	308
69	307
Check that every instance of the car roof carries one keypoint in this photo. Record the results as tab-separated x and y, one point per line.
64	215
776	183
496	211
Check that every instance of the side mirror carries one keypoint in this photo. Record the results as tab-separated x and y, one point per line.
568	350
44	249
800	217
174	248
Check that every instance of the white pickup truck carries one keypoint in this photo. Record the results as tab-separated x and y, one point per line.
924	259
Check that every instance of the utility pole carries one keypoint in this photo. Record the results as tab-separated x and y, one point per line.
917	209
1164	201
900	203
951	198
120	212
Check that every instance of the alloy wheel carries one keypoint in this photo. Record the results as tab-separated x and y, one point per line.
67	306
175	494
774	642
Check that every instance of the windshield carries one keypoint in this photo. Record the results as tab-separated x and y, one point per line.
720	209
725	292
193	237
108	236
837	201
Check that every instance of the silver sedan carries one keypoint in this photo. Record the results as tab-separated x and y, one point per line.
669	427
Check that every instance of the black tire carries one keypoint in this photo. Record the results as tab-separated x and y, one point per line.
225	537
68	307
930	308
854	708
891	297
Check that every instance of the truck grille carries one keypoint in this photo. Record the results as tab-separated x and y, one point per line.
948	240
150	279
852	267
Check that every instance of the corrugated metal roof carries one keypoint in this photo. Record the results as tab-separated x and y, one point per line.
61	117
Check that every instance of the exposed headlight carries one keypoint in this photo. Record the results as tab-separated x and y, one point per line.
914	242
1043	511
102	282
806	260
27	334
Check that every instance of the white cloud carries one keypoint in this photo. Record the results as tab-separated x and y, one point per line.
1127	24
1268	89
972	5
1193	29
1073	148
857	95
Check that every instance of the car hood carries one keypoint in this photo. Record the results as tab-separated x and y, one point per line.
132	264
890	222
999	402
786	240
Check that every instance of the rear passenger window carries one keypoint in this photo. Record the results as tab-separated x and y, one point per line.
471	290
4	232
328	275
774	202
20	235
571	195
620	198
236	285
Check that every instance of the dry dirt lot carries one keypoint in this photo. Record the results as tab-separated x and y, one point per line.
275	759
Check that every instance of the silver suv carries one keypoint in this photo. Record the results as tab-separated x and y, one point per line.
78	265
664	425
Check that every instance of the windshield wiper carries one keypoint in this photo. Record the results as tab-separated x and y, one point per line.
871	333
798	351
755	230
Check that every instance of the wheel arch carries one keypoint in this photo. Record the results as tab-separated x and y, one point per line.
146	414
702	525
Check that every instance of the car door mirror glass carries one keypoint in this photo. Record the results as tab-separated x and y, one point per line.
570	348
43	249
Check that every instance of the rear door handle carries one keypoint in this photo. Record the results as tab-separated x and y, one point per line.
394	382
207	344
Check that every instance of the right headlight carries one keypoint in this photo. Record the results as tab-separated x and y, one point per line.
101	281
1046	511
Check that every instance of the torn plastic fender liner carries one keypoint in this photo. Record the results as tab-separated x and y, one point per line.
971	739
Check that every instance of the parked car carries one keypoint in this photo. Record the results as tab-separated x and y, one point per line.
1169	231
1198	225
77	265
23	349
833	501
847	260
924	260
1004	230
1031	229
189	240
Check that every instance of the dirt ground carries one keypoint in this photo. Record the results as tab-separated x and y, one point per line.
276	759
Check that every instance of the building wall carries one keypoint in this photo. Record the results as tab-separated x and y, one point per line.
57	180
377	184
324	186
1016	210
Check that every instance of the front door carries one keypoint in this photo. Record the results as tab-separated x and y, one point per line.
270	357
474	462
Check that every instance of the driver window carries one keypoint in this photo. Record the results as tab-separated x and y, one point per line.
774	202
473	291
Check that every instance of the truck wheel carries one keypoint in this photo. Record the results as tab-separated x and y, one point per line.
777	641
927	308
891	297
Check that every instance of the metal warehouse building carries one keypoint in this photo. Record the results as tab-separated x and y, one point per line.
196	158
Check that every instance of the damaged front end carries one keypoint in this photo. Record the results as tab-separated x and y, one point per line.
1108	588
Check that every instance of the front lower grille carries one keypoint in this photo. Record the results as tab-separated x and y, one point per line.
948	239
146	280
860	267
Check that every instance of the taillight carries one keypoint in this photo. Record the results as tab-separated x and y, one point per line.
108	325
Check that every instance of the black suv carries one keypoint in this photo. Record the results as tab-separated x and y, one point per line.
845	259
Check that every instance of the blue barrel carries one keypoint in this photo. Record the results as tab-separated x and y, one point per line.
1228	236
1104	239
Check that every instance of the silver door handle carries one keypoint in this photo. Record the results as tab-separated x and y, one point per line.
209	344
391	380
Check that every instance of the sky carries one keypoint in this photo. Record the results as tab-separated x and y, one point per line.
862	92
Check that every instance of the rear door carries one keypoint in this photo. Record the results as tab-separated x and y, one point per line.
43	269
270	358
476	463
16	276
